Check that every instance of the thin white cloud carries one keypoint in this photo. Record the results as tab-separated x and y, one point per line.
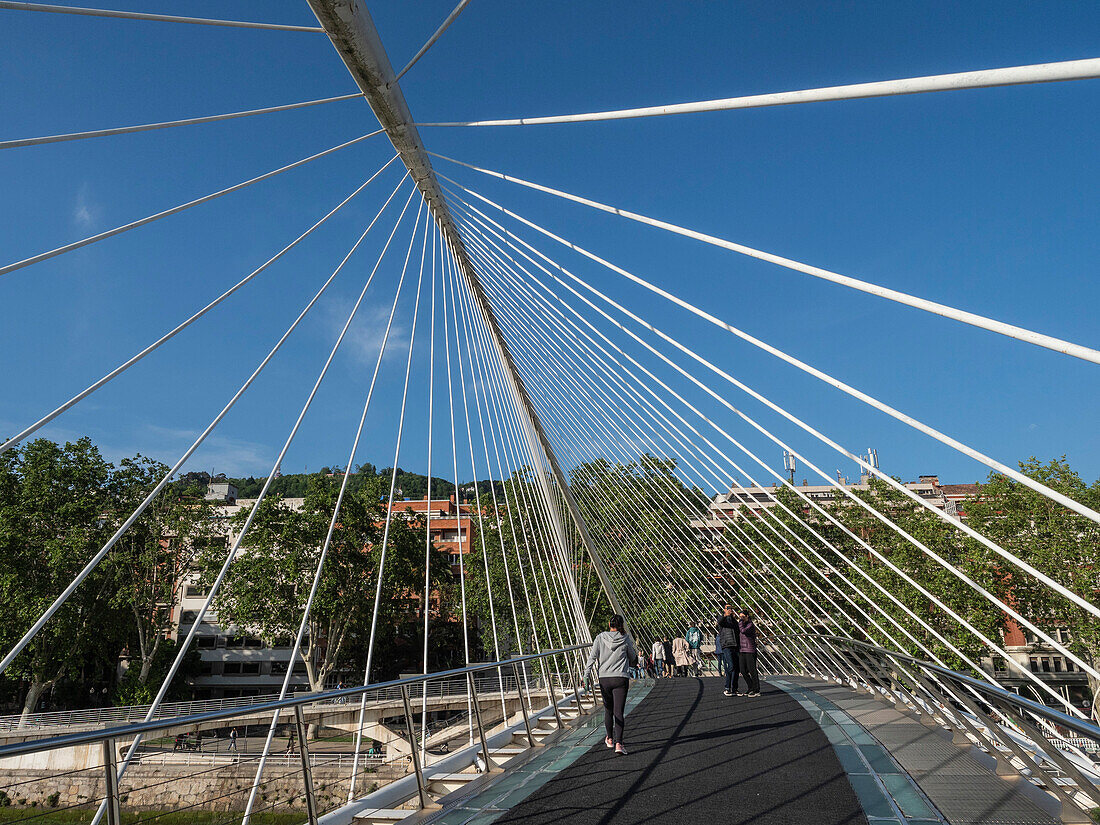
218	454
85	210
364	337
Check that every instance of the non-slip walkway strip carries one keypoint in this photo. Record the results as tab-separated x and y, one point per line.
489	804
958	780
698	756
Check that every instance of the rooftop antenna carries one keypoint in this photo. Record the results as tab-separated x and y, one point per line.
789	465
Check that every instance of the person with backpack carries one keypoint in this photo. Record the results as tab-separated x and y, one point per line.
694	637
612	656
729	636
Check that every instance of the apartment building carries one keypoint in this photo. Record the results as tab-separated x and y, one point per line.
236	662
1025	648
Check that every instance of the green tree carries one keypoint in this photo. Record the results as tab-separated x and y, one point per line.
55	512
640	514
896	551
1054	540
150	564
267	585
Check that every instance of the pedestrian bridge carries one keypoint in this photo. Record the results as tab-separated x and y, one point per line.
896	741
628	437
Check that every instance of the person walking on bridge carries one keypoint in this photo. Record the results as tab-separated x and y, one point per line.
658	654
613	654
682	653
729	637
694	639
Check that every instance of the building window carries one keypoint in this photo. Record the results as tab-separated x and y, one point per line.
232	669
188	617
206	642
206	669
998	664
250	668
278	668
1046	664
1063	635
1057	664
195	591
1034	663
234	642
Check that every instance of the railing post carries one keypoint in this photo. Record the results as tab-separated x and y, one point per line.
592	690
993	733
1071	812
421	786
110	779
307	770
546	674
489	767
950	715
523	706
1055	755
576	689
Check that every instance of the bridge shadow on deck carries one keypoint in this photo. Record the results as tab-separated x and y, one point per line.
698	756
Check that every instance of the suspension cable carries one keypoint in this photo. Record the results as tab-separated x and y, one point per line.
159	18
167	124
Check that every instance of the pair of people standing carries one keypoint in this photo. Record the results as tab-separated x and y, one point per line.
737	639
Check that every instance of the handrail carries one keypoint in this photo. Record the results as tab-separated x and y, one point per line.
125	713
126	731
1057	717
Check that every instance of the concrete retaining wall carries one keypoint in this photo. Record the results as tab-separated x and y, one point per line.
170	787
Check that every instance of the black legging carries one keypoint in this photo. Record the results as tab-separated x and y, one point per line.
613	689
748	668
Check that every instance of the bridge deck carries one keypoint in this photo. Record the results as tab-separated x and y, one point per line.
959	781
696	755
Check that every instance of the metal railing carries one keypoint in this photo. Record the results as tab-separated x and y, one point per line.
480	681
214	758
1025	738
93	717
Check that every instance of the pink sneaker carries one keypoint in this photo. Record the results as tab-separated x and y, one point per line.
620	750
607	741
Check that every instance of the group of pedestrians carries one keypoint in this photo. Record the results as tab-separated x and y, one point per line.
678	657
735	645
616	660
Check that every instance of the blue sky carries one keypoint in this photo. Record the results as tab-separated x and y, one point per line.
983	199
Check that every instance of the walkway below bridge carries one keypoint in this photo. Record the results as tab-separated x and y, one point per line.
803	752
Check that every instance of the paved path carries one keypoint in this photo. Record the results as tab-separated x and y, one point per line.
697	756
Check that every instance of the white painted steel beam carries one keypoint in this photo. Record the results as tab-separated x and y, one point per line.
983	79
352	32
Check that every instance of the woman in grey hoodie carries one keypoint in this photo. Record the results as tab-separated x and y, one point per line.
612	655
